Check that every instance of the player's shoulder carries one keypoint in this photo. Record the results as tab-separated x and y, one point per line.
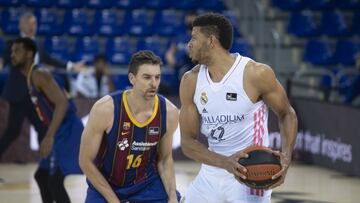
41	76
41	73
192	74
172	112
258	71
104	105
170	107
189	79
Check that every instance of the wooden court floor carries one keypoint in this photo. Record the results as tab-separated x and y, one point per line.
304	184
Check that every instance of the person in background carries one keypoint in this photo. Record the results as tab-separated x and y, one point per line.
176	55
59	148
95	81
15	90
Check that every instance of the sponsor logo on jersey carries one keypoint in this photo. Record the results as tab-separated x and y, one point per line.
204	110
123	144
154	130
231	96
203	98
222	119
142	146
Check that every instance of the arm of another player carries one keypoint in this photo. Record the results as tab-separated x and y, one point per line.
45	83
275	97
189	128
166	162
100	121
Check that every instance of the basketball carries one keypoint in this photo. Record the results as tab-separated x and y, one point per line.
261	165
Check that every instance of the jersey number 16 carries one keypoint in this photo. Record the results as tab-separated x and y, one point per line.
133	163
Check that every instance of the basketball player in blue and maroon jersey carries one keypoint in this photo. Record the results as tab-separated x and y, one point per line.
60	147
126	146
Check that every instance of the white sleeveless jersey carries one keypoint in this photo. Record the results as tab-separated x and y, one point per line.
229	119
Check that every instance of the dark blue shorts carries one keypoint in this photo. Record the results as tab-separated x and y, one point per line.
153	192
65	152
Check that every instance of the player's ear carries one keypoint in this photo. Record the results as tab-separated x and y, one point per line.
131	77
29	55
211	41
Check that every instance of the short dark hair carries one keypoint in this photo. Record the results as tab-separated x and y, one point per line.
142	57
100	57
218	25
28	43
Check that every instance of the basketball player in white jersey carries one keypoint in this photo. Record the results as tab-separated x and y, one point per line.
226	98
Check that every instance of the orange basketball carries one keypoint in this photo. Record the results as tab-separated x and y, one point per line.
261	165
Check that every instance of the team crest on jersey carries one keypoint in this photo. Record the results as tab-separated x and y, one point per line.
123	144
126	125
203	98
154	130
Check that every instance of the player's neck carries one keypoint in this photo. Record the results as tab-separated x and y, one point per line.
138	103
219	65
26	68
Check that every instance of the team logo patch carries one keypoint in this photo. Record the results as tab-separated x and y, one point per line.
203	98
154	130
231	96
123	144
126	125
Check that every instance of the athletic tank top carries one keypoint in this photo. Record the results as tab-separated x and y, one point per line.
45	108
229	119
128	153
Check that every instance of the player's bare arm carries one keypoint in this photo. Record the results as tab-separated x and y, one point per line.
265	86
166	162
44	82
189	127
100	121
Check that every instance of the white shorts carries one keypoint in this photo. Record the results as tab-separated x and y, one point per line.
215	185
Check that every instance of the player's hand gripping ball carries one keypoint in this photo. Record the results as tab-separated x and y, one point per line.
261	165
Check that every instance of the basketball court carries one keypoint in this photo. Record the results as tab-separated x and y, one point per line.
304	184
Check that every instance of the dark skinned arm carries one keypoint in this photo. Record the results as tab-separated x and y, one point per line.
45	83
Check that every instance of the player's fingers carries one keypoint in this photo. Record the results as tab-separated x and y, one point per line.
284	166
240	171
277	153
240	168
280	173
241	154
280	182
239	179
44	151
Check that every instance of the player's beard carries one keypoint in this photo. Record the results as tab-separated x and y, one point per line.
194	58
150	93
16	65
199	57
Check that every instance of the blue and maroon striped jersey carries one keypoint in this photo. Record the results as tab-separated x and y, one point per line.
128	153
45	108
